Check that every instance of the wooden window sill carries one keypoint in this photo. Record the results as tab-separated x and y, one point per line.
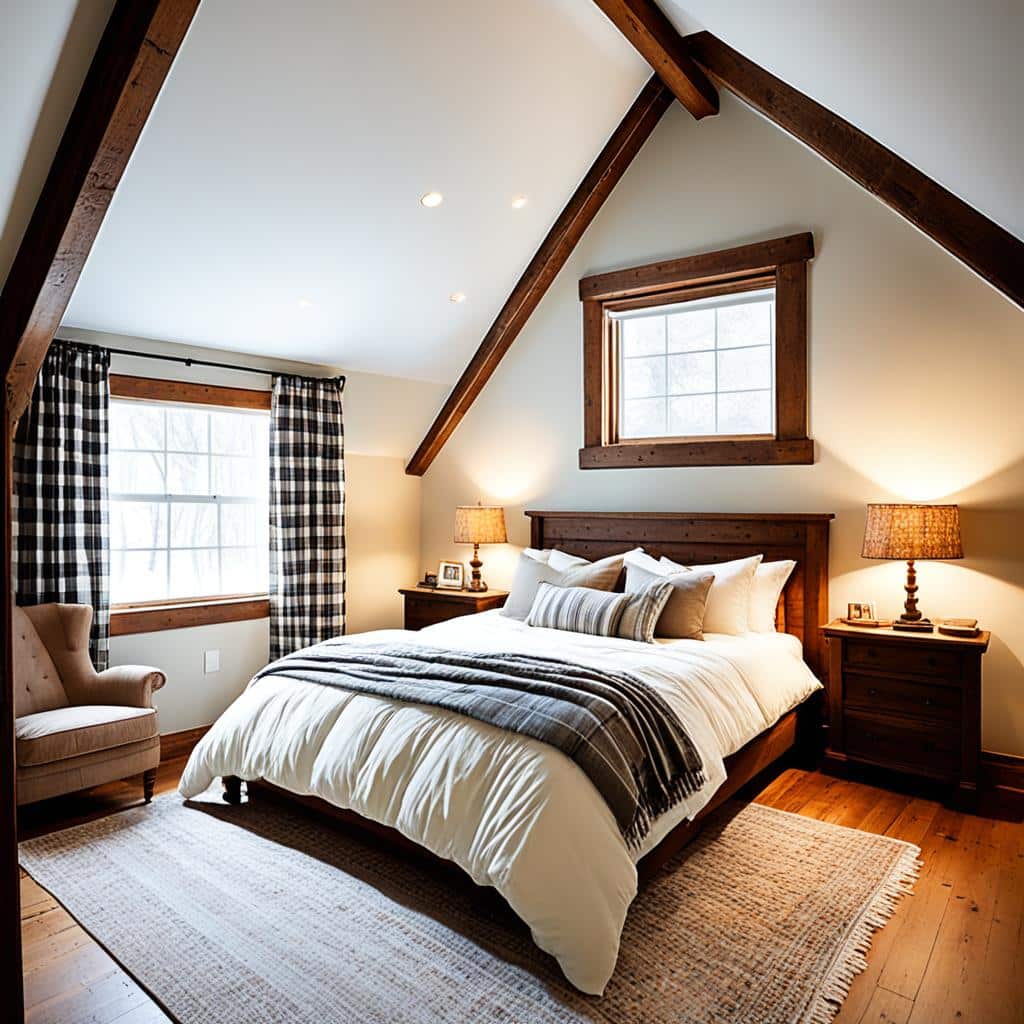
125	621
753	452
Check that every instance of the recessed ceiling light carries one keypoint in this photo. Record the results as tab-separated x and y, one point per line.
305	303
519	202
432	199
457	297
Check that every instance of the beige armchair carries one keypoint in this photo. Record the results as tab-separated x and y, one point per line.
76	727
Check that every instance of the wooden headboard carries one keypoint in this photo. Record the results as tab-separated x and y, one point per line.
696	538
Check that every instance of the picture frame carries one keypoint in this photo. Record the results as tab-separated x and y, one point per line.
857	610
451	575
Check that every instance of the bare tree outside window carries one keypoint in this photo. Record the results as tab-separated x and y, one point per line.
188	501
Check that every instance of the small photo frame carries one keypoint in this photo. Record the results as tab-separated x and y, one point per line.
451	575
860	610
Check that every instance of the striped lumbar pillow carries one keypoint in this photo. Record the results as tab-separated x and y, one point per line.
598	612
577	609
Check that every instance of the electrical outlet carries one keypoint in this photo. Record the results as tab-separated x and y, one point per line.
211	661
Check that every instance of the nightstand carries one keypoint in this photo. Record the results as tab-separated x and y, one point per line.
424	607
906	701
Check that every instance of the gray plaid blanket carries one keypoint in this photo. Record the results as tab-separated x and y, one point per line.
619	730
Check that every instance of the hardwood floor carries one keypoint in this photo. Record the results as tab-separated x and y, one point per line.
953	952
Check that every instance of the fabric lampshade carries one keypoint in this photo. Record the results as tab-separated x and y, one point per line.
480	524
911	532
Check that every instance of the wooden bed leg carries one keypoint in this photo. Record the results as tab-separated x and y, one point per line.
148	782
809	737
232	789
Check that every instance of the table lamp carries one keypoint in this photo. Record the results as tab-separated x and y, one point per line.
476	525
912	532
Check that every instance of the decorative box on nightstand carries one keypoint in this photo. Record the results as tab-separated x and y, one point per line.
425	607
906	701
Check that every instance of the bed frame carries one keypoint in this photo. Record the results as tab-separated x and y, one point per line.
691	539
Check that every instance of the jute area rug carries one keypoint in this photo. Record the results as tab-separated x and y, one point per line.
263	914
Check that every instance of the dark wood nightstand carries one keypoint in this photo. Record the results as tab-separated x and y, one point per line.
906	701
424	607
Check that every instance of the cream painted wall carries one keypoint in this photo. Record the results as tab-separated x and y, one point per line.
915	371
382	540
384	418
191	697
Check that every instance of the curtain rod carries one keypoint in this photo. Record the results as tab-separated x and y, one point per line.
188	361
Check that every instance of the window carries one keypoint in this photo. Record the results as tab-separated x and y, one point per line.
698	361
188	500
696	369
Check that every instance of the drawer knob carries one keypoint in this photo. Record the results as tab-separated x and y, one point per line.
873	692
928	702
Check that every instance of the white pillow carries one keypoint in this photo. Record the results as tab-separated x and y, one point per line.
769	579
728	608
558	560
642	560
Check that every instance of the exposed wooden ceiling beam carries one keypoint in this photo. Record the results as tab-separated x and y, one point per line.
127	71
625	142
989	250
132	60
654	36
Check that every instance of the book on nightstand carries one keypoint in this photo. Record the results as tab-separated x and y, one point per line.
958	627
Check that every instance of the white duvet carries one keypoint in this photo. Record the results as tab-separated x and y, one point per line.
511	811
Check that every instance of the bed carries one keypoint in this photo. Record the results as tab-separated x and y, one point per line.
514	813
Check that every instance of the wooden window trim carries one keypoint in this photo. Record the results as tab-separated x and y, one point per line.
780	263
127	620
154	389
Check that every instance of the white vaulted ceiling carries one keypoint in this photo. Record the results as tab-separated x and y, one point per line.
939	82
272	205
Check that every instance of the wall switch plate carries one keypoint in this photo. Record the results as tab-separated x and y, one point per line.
211	661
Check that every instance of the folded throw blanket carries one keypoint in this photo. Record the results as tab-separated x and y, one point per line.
619	730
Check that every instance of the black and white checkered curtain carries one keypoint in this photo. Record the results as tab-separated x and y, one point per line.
60	488
307	513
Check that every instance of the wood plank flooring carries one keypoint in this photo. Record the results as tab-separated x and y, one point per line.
953	952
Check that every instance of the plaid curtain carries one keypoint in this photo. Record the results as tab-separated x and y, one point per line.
60	488
307	513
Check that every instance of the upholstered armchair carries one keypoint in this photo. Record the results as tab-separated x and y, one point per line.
76	727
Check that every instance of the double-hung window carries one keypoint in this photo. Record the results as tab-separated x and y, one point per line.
698	361
188	490
704	368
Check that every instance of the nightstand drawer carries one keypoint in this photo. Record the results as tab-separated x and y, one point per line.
916	700
883	741
888	657
428	613
425	607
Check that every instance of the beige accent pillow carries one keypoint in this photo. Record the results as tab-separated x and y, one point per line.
728	608
683	615
603	574
531	573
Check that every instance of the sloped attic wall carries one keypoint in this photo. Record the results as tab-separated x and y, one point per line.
915	367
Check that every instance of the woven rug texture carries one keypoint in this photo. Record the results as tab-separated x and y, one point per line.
260	913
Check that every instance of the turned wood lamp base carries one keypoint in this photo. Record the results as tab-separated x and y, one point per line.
476	584
912	621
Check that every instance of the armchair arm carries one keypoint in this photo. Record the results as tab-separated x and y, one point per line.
126	685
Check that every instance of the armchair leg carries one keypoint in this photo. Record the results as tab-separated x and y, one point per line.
148	782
